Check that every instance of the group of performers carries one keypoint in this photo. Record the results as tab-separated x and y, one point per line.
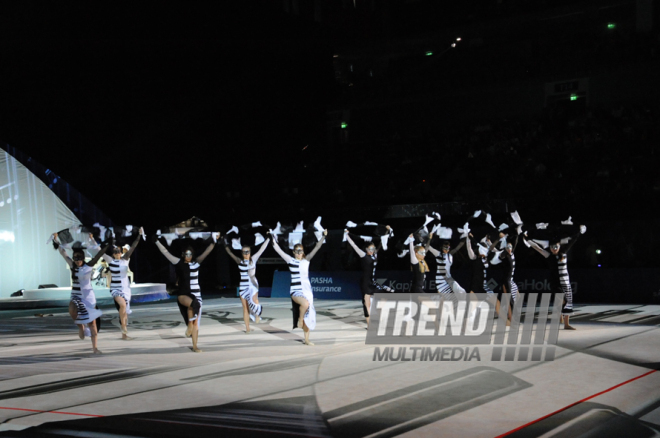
481	253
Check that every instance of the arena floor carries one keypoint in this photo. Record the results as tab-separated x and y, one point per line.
602	383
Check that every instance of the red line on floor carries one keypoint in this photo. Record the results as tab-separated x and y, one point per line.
51	412
574	404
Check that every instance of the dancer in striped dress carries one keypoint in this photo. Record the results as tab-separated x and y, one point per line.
369	285
559	280
480	264
82	306
249	287
190	295
418	266
304	314
120	287
509	259
444	282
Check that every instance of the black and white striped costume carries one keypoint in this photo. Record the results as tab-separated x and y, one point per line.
560	280
558	266
300	285
510	266
249	285
188	274
444	282
119	284
480	264
486	265
82	293
419	269
368	284
189	285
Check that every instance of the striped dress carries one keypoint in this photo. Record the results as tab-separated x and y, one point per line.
560	279
301	287
119	285
511	270
486	265
82	294
189	283
444	282
249	286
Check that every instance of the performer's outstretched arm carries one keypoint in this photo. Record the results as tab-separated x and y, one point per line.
540	250
470	251
166	253
62	251
413	258
355	247
429	248
133	245
256	256
206	252
311	255
571	243
98	255
286	257
232	255
459	246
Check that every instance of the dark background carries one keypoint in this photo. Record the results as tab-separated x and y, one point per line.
232	112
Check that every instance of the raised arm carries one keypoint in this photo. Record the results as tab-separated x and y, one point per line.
470	251
98	255
311	255
571	243
94	244
256	256
286	257
413	258
206	252
166	253
515	243
540	250
62	251
355	247
231	254
459	246
429	248
133	245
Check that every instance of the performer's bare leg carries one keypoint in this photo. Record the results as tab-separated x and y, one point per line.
94	335
508	318
246	315
367	303
304	305
73	312
255	298
123	318
567	326
195	334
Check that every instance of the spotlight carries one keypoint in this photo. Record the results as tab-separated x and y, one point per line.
458	39
597	251
453	44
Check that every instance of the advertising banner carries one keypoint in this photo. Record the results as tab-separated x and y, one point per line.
589	285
